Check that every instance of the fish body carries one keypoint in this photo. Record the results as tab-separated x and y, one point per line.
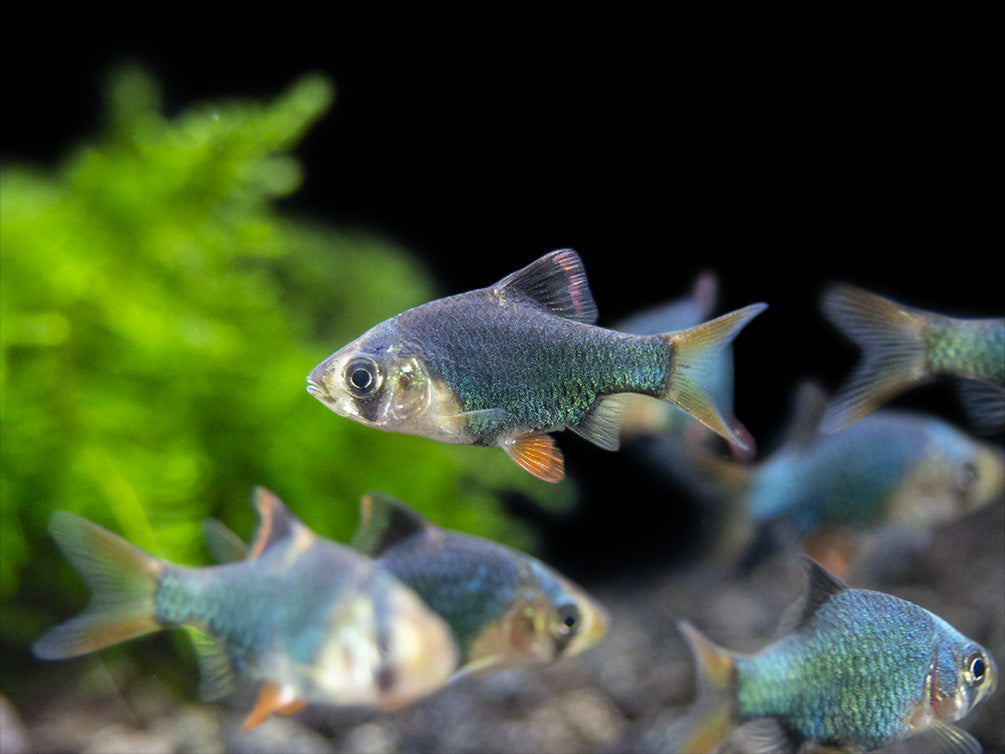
312	620
904	347
505	608
908	469
861	669
505	365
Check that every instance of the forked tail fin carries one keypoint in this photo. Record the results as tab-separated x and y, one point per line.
690	376
123	582
713	715
894	352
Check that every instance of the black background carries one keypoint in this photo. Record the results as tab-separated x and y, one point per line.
780	155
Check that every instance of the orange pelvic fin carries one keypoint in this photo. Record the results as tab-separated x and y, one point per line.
270	700
536	453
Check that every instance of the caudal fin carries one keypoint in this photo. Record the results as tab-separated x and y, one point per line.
713	715
894	352
122	578
691	371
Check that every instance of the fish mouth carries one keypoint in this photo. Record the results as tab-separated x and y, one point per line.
316	382
317	391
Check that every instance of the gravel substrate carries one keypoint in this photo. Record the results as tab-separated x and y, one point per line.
619	696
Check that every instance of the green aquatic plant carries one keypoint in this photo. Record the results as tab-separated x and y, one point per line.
159	313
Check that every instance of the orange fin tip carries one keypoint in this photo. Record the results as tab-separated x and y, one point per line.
270	700
537	454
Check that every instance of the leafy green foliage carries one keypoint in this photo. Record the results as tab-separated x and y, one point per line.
159	315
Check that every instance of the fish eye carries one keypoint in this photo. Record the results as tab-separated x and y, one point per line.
362	375
977	668
965	476
567	621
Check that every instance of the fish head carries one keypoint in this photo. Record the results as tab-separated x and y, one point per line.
549	617
956	475
978	675
961	675
385	383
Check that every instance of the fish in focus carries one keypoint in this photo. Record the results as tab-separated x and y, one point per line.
505	365
312	620
861	669
904	347
505	608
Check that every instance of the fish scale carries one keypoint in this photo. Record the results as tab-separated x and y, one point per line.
973	350
549	373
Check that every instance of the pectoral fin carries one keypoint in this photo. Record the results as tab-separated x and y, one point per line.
536	453
953	740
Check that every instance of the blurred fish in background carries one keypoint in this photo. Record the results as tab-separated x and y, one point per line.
505	365
879	487
857	670
312	620
891	479
904	347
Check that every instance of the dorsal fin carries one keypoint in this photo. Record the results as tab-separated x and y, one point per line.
383	522
820	588
556	283
223	544
276	522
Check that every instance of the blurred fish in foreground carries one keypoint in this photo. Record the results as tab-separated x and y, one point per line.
505	365
904	347
859	670
505	608
313	620
897	473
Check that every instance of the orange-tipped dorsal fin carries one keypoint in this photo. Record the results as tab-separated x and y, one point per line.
276	522
536	453
271	699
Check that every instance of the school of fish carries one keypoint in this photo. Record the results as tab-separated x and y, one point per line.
407	608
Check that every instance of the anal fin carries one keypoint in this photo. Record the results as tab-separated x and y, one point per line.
602	423
536	453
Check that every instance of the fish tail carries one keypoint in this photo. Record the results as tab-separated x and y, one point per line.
694	352
713	715
894	352
123	583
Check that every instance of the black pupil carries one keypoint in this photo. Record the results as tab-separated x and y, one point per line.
977	669
569	617
361	378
